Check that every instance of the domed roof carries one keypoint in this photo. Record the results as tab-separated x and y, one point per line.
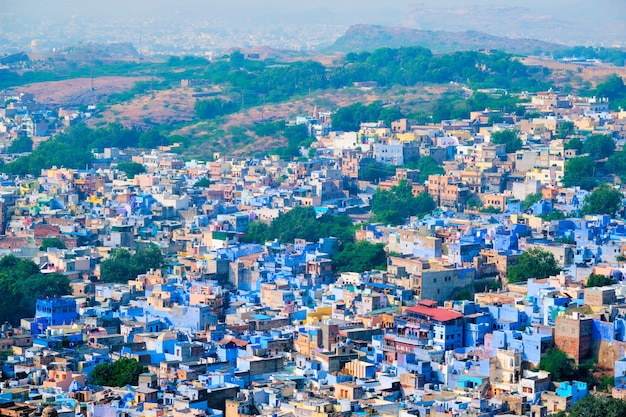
49	411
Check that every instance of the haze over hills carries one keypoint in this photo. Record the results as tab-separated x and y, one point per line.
210	26
371	37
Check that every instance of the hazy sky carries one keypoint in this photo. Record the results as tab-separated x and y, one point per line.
564	21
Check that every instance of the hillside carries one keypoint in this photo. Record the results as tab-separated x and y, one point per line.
370	37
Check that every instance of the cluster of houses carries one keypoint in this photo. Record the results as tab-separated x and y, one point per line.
236	329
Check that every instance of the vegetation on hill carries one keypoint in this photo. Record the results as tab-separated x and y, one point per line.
21	284
73	148
396	205
369	37
349	119
614	89
615	56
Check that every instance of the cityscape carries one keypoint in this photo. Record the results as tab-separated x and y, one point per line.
300	217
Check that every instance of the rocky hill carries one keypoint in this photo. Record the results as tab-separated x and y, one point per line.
370	37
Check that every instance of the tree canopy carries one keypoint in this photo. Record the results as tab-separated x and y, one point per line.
598	280
426	165
21	145
21	284
131	168
396	205
580	172
301	223
597	406
560	366
509	138
534	263
603	200
373	171
614	89
349	118
52	242
124	371
361	256
122	266
616	164
599	146
73	148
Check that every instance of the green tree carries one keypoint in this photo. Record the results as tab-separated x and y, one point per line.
21	284
574	143
131	168
203	183
580	172
396	205
560	366
124	371
428	166
603	200
509	138
616	164
599	406
302	223
530	200
51	242
21	145
565	129
553	215
360	256
474	202
599	146
598	280
373	171
534	263
152	139
122	266
258	232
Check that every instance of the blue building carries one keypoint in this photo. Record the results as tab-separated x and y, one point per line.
576	389
53	312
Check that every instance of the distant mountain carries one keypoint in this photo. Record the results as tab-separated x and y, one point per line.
370	37
101	50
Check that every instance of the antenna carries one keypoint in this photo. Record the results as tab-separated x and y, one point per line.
91	73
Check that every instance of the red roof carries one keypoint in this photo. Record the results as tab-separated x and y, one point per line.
435	313
238	342
427	303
